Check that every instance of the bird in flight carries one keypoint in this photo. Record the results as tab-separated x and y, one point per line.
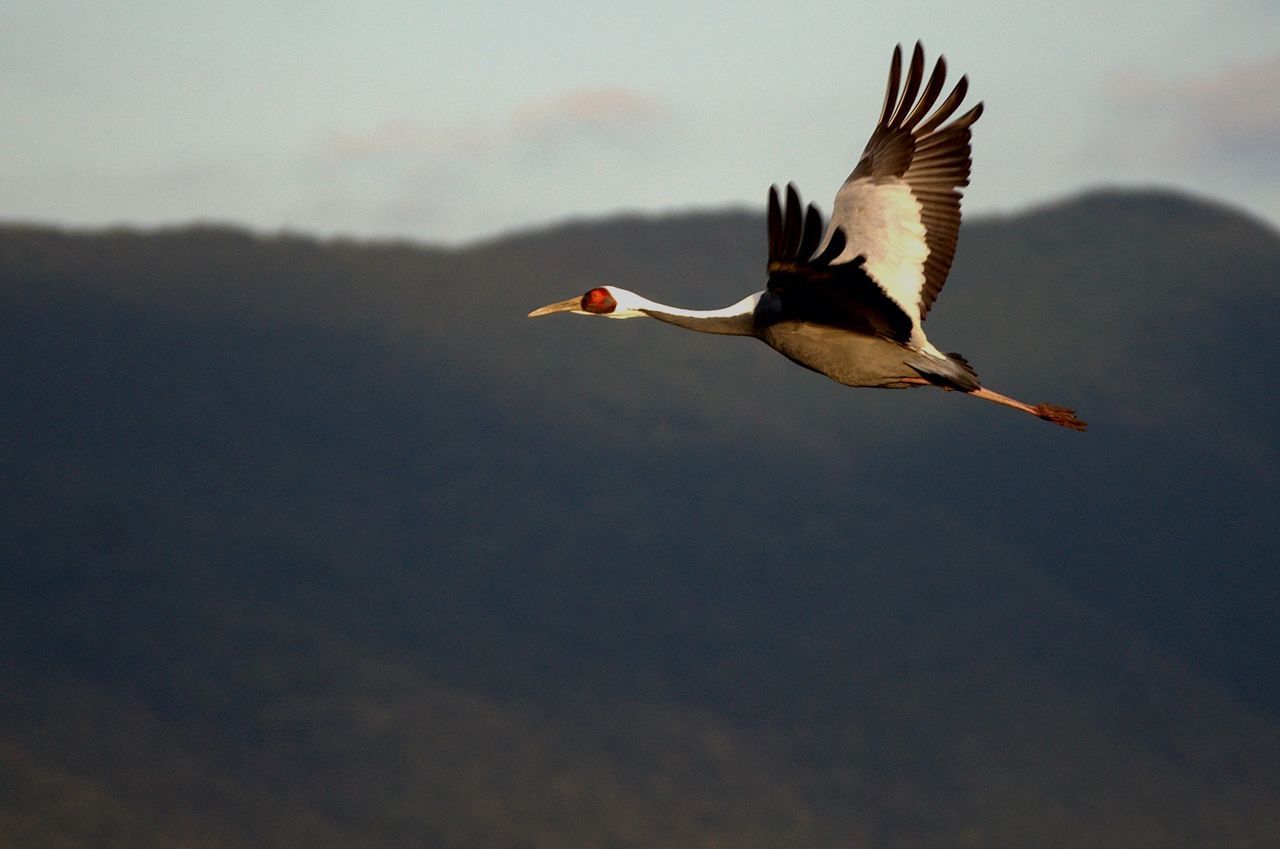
848	299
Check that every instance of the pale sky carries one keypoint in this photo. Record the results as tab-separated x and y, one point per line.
450	121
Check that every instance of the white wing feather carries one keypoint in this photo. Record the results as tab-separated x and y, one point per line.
900	208
882	222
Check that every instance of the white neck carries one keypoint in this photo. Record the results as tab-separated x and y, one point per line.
735	320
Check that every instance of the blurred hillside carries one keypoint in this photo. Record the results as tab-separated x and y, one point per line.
325	544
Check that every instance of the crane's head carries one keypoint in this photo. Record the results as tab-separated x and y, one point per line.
608	301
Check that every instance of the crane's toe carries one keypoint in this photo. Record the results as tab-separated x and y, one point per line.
1060	416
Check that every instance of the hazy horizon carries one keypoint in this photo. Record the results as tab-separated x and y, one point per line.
534	228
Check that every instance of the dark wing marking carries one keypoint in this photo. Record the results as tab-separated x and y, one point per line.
811	288
932	160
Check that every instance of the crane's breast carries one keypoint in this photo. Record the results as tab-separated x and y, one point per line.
845	356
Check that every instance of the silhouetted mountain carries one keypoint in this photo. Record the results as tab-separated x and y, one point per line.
324	544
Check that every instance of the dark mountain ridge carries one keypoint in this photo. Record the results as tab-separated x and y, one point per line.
323	543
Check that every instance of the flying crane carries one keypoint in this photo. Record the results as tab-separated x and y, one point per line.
848	300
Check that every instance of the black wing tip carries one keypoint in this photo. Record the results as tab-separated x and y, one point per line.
917	51
902	110
795	231
835	247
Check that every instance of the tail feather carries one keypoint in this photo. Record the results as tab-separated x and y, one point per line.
950	372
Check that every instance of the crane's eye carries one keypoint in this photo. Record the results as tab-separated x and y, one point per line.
598	301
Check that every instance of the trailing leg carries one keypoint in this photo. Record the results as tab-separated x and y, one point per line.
1060	416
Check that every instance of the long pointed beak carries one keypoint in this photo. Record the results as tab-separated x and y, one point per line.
559	306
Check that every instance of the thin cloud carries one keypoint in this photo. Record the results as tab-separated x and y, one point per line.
1240	108
408	176
1232	113
609	112
611	116
398	137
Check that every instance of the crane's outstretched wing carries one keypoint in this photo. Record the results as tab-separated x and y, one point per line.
900	208
808	287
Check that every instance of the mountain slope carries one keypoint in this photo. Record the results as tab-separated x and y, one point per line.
324	544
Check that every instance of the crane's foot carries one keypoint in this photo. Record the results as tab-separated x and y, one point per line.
1060	416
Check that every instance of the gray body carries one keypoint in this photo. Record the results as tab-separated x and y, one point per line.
855	359
854	355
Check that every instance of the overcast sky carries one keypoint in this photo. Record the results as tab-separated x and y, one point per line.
448	121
